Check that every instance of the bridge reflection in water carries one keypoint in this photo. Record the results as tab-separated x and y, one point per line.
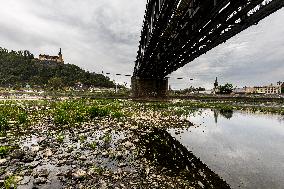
171	158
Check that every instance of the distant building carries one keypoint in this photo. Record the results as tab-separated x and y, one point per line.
216	86
270	89
58	59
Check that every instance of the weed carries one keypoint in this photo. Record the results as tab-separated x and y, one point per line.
22	118
4	150
117	114
10	183
98	170
107	138
60	137
82	138
3	122
93	145
95	111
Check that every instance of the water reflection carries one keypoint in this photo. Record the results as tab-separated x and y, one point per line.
226	113
173	159
244	148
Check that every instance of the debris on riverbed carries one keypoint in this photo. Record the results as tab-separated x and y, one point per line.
97	144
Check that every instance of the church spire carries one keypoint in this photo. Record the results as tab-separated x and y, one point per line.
216	83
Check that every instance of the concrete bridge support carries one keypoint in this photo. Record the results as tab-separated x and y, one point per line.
149	88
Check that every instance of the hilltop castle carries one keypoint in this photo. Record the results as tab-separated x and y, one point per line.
58	59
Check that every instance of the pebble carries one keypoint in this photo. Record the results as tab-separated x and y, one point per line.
79	174
40	180
48	152
3	161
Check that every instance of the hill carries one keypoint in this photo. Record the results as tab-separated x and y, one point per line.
19	68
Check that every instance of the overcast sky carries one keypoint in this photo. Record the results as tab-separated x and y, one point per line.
103	35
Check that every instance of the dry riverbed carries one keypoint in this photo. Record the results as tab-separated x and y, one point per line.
97	144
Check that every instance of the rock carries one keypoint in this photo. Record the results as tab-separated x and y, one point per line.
128	144
3	161
41	173
40	180
105	154
47	153
122	165
83	158
79	174
18	178
17	154
35	149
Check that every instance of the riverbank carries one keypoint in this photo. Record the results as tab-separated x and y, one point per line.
79	143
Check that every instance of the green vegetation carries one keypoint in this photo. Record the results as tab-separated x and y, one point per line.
3	122
60	137
226	89
4	150
98	170
93	145
20	68
24	115
10	182
107	138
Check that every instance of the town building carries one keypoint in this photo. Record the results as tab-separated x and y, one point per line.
269	89
58	59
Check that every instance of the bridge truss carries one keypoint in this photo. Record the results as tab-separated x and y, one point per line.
175	32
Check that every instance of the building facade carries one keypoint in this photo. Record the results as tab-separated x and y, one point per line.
58	59
269	89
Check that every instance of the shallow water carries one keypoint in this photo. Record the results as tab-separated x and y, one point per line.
245	149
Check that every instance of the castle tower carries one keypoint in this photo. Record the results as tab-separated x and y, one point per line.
60	60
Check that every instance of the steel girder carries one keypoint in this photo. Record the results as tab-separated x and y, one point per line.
175	32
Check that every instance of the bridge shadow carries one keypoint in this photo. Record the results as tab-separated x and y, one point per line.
171	158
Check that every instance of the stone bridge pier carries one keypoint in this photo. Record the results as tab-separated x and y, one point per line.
149	88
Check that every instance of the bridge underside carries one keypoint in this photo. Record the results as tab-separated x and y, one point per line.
175	32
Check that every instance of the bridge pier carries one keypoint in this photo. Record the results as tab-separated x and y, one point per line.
149	88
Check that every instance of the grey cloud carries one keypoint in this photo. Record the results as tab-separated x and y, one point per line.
104	34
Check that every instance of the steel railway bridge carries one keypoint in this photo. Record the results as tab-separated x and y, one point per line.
175	32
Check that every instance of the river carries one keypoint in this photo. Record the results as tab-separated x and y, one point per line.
245	149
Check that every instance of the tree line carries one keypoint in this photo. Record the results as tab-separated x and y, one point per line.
19	68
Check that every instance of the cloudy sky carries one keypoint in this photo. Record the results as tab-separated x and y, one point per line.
103	35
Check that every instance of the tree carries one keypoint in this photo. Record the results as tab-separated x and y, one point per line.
55	83
226	89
